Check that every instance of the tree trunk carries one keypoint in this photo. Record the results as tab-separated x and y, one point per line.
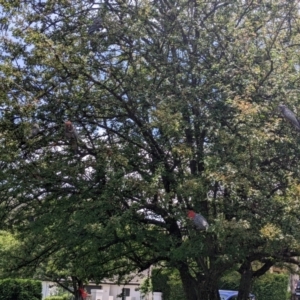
77	284
188	283
199	289
77	295
208	289
246	281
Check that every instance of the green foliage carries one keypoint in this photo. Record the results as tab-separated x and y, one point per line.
267	287
271	287
160	280
63	297
146	286
168	283
175	104
230	281
8	244
175	287
20	289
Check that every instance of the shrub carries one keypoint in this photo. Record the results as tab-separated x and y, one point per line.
20	289
160	282
230	281
63	297
168	283
271	287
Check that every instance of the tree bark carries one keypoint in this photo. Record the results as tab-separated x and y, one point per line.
208	288
195	289
188	283
246	281
77	284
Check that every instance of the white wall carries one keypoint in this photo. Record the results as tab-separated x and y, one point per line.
117	290
157	296
48	289
97	294
105	292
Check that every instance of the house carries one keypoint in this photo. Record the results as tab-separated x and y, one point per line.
48	289
109	290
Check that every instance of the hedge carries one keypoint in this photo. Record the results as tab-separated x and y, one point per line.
20	289
160	283
230	281
168	283
63	297
271	287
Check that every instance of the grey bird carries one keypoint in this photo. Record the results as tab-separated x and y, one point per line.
72	135
199	221
96	26
289	116
35	129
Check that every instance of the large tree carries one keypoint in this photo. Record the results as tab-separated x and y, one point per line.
175	104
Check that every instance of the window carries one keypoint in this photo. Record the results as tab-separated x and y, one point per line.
125	293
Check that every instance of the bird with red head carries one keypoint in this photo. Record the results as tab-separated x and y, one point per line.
199	221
